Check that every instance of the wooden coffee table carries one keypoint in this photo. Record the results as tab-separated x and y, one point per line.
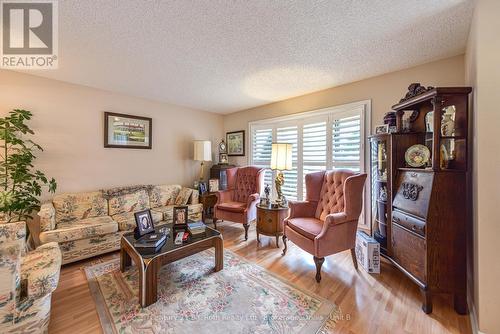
149	263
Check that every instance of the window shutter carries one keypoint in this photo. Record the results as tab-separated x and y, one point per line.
313	149
346	141
289	135
262	140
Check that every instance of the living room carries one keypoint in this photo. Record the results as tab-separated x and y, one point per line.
305	167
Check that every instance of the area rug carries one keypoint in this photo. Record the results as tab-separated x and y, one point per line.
192	298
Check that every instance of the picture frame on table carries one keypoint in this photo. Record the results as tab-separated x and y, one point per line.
213	185
144	223
235	143
127	131
382	129
180	215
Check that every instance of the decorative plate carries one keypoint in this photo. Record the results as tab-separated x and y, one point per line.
417	155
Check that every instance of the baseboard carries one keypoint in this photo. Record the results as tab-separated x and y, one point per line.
473	315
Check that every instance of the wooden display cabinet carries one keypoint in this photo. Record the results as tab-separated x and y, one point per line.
426	207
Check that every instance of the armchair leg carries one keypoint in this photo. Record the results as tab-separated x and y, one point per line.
246	226
319	262
354	259
284	243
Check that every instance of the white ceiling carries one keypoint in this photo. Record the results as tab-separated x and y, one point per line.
224	56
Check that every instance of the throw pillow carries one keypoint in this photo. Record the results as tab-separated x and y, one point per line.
183	196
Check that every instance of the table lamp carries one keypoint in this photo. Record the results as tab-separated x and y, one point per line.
202	152
281	159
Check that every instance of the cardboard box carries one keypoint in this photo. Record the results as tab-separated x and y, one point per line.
368	252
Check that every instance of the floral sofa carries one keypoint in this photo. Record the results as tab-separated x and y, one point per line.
27	280
91	223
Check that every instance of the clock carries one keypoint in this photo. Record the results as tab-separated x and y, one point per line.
222	147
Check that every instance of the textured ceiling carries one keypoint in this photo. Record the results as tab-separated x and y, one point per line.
224	56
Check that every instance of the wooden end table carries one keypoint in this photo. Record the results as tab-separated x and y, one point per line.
149	263
270	221
208	200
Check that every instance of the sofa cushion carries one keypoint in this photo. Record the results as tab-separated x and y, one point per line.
308	227
131	202
164	194
183	196
232	206
194	211
70	207
126	220
80	229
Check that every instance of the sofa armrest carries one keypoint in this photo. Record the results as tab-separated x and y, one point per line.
302	209
224	196
40	269
47	216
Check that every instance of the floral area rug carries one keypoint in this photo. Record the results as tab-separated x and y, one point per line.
192	298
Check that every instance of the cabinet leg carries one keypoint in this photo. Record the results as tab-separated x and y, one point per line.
460	303
427	301
258	238
214	220
246	226
284	244
277	241
354	259
319	262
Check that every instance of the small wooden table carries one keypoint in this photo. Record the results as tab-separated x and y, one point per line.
149	263
208	200
270	221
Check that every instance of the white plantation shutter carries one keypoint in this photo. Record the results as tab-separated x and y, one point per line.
323	139
346	140
289	135
262	140
313	149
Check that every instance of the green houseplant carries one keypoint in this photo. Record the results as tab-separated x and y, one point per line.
20	183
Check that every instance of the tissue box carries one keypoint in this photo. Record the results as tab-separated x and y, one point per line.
368	252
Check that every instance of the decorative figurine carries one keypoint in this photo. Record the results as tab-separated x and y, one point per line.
448	122
267	191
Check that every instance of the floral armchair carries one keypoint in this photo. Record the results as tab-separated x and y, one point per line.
238	202
326	223
27	280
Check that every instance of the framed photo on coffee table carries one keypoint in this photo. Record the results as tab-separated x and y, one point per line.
180	215
144	222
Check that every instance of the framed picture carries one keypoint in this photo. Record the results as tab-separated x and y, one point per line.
235	143
202	187
213	185
382	129
180	215
127	131
144	223
223	159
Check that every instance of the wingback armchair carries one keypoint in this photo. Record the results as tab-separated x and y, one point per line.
238	202
327	221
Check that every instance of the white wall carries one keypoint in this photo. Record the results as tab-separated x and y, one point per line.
68	124
483	74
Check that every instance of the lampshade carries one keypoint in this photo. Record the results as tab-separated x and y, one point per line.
281	156
202	150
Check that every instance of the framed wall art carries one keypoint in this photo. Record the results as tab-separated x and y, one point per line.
235	143
127	131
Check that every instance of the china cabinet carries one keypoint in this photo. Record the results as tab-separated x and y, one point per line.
419	213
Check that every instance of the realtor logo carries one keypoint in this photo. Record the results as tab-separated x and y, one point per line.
29	34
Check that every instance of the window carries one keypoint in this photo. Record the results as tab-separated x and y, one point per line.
324	139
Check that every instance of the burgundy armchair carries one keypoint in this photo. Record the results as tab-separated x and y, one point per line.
238	202
327	221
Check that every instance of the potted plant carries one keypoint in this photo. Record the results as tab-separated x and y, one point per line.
20	183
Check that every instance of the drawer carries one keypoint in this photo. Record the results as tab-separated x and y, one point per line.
414	189
409	251
413	224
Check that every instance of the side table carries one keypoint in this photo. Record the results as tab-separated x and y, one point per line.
270	221
208	199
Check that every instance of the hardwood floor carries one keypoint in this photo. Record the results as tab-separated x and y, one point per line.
385	303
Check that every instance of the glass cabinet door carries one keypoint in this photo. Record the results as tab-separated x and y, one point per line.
379	193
